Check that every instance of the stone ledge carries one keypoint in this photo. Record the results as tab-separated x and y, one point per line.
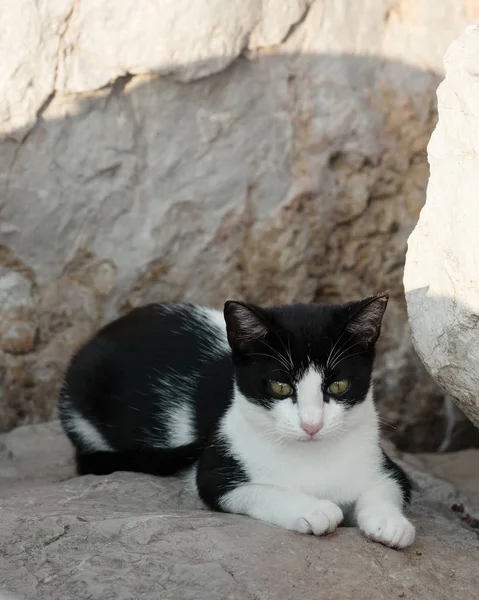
135	536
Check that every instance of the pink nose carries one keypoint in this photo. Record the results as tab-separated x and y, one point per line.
311	428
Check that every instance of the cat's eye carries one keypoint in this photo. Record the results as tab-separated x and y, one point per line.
339	387
281	389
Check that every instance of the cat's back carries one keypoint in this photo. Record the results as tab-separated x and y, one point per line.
143	370
175	336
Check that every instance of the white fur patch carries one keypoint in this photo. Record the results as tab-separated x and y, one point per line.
285	508
205	322
336	466
379	515
91	438
215	340
387	525
175	393
309	393
301	486
181	426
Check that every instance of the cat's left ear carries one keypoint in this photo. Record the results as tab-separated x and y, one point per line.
245	324
366	318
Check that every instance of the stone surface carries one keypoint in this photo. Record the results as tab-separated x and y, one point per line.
441	277
458	468
17	313
134	536
273	152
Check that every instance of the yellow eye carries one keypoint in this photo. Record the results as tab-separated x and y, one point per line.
339	387
281	389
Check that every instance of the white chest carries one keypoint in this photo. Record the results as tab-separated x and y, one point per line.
336	470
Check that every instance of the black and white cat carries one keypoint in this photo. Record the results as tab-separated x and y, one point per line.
271	407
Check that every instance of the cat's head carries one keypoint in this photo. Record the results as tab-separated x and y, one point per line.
302	371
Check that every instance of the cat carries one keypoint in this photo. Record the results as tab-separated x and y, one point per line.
271	408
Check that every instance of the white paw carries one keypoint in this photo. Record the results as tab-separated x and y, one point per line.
390	529
322	517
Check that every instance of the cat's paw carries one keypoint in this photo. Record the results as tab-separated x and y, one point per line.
321	518
389	528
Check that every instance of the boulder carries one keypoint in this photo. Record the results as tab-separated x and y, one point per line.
273	152
134	536
441	276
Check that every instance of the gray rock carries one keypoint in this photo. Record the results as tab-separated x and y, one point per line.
458	468
441	276
133	536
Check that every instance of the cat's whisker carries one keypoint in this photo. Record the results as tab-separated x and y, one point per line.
338	357
287	372
330	357
275	438
288	352
342	359
281	358
383	422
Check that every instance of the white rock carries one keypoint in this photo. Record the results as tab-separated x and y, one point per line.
441	277
30	34
188	39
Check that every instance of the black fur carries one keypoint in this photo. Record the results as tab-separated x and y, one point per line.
393	470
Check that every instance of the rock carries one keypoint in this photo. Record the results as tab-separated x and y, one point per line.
35	452
17	313
30	36
441	276
274	152
133	536
169	45
458	468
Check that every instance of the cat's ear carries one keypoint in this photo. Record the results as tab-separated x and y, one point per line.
366	318
245	324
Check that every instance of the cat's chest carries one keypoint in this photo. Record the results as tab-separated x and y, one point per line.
338	473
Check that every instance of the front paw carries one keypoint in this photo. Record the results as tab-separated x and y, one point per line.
389	528
321	518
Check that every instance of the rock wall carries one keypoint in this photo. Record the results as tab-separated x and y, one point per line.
275	151
441	277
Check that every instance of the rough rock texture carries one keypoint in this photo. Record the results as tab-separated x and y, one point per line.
274	151
133	536
441	277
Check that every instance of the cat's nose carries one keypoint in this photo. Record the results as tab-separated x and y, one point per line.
311	428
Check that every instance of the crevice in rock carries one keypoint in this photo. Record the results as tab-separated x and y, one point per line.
47	101
294	26
55	538
61	50
231	573
117	86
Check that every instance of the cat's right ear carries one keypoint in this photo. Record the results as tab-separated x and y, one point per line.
245	325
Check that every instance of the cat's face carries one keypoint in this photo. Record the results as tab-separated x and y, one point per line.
303	370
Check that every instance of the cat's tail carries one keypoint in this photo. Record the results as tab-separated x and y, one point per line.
153	461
